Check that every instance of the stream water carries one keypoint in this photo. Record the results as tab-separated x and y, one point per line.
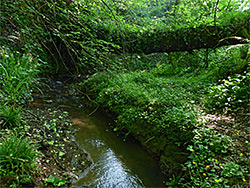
116	162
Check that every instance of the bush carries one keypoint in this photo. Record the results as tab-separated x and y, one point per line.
17	159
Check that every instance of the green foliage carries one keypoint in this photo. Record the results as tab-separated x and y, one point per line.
135	62
17	160
226	61
196	12
60	32
81	35
232	94
142	100
10	116
210	163
55	181
181	63
220	62
17	73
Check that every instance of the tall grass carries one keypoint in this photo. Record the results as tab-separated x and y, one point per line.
17	159
17	73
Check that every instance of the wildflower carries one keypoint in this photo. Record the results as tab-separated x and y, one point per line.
216	181
244	179
191	149
215	160
193	162
204	174
207	166
211	144
241	154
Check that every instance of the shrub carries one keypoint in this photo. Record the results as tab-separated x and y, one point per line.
17	159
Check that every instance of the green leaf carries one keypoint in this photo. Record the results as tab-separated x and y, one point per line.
51	179
51	142
59	182
61	154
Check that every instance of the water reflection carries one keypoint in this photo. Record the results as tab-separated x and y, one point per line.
115	163
110	171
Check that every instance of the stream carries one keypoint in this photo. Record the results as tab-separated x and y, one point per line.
116	162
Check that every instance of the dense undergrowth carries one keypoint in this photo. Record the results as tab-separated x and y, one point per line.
161	99
17	154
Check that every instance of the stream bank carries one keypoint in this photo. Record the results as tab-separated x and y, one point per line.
167	115
99	157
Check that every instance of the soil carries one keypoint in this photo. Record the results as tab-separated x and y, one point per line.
61	155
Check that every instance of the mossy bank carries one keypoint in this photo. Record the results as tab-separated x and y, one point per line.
158	111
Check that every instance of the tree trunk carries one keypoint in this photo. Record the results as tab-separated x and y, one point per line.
184	39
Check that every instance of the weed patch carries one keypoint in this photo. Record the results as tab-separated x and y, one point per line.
213	162
231	95
17	160
17	74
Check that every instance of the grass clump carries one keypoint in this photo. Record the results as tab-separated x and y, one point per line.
17	160
10	116
17	154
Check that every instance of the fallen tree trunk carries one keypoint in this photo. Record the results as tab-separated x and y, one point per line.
184	39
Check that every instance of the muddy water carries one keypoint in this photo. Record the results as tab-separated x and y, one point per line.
116	163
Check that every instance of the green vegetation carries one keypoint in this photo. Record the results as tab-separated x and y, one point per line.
232	94
57	182
161	107
142	100
17	154
10	116
214	161
18	72
17	160
159	98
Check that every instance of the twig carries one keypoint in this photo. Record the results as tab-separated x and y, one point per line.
33	115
